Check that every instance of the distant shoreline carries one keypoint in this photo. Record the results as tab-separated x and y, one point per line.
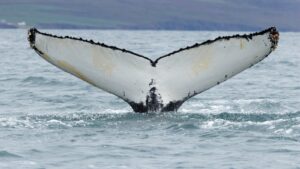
120	29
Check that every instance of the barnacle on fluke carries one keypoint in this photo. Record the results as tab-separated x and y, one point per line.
274	37
163	84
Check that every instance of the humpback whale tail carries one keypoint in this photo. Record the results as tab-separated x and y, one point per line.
155	85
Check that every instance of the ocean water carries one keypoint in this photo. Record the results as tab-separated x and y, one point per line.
50	119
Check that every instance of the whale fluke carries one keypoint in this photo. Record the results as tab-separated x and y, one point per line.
155	85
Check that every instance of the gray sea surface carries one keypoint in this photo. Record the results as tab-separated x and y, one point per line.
50	119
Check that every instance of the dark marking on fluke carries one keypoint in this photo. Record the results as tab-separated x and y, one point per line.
155	106
274	37
154	102
31	36
31	39
153	98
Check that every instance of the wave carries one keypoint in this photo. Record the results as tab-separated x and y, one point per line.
7	154
42	81
171	120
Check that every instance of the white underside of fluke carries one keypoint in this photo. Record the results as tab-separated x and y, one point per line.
160	85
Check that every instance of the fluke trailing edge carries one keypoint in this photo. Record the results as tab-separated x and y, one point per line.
155	85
